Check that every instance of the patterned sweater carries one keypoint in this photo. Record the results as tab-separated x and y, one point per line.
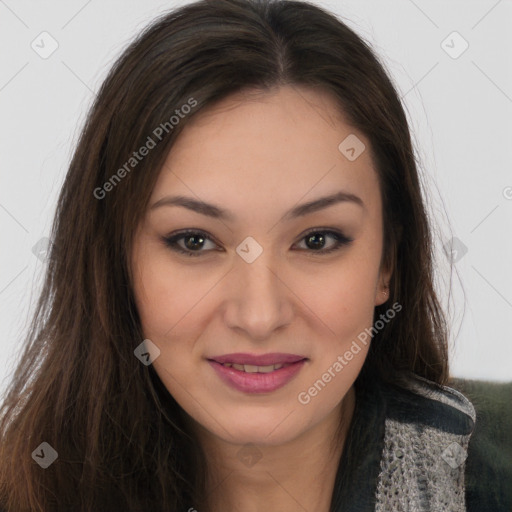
416	448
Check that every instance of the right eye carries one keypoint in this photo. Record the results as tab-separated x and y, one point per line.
194	242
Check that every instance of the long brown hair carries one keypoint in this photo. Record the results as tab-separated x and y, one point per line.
78	385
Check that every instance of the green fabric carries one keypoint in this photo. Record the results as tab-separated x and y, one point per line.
489	463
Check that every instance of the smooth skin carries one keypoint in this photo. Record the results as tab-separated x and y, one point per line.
258	156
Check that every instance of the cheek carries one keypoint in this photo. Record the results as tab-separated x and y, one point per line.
167	307
167	298
342	296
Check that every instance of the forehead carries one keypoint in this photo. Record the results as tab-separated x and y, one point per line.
283	144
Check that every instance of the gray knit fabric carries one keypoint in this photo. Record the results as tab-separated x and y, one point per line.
422	468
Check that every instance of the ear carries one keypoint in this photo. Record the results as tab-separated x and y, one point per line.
382	291
383	286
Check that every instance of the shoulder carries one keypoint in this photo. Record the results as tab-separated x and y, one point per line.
429	405
489	462
428	447
427	431
467	424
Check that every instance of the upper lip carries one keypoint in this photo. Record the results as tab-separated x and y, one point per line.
261	360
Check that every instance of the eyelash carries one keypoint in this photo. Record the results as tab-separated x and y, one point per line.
171	241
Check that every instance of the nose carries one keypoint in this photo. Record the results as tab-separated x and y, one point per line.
258	300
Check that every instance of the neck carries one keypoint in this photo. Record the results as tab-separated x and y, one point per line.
297	475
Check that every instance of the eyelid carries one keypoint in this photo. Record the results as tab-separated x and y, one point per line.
323	229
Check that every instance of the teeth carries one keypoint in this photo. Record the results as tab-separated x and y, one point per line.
249	368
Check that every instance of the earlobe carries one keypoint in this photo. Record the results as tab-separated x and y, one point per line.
382	296
382	293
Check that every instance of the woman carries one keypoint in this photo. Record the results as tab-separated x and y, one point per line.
239	310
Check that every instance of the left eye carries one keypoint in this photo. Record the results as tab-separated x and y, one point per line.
319	236
196	240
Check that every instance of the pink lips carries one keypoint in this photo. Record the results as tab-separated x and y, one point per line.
257	382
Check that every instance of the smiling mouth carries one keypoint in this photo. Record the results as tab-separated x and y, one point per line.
250	368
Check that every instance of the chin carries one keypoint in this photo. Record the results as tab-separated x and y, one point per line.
262	433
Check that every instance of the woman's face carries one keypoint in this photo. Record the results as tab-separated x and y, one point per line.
257	281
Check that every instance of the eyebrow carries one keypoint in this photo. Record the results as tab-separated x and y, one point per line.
217	212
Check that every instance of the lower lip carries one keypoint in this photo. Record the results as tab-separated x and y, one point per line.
257	382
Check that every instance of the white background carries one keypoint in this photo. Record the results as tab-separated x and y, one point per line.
459	109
